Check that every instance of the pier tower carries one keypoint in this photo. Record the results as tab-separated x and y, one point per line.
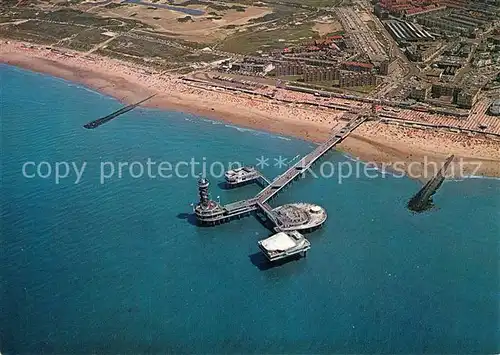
203	185
207	211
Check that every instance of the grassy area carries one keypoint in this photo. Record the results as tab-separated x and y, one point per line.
86	19
77	17
145	48
218	6
114	5
78	35
134	59
39	32
201	57
290	77
19	13
325	86
34	37
157	63
82	31
314	3
336	33
265	40
366	89
169	37
9	2
69	16
86	40
266	18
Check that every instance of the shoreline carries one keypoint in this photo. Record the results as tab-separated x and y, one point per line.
373	142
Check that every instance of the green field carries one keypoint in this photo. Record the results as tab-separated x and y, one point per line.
225	4
251	41
86	39
39	32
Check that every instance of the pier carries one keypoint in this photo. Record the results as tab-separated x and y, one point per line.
306	162
211	213
288	219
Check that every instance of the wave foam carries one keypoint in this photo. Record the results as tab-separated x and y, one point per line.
240	129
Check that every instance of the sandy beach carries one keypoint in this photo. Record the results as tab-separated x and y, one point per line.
372	142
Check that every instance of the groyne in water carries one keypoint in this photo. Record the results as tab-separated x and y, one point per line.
423	199
102	120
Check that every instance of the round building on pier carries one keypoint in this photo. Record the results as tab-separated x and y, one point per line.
300	216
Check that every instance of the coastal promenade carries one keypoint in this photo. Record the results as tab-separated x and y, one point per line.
476	121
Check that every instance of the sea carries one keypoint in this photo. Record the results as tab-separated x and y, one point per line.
100	253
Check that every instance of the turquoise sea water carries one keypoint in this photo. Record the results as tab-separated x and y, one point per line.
120	268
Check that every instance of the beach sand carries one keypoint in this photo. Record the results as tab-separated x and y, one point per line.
408	149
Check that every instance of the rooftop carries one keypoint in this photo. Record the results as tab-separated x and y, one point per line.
359	64
278	242
282	245
300	216
434	72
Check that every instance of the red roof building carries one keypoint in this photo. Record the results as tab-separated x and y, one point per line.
411	6
357	66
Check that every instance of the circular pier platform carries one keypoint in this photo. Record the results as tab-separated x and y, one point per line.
300	216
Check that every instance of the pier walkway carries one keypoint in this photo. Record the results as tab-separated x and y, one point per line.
243	207
306	162
268	210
